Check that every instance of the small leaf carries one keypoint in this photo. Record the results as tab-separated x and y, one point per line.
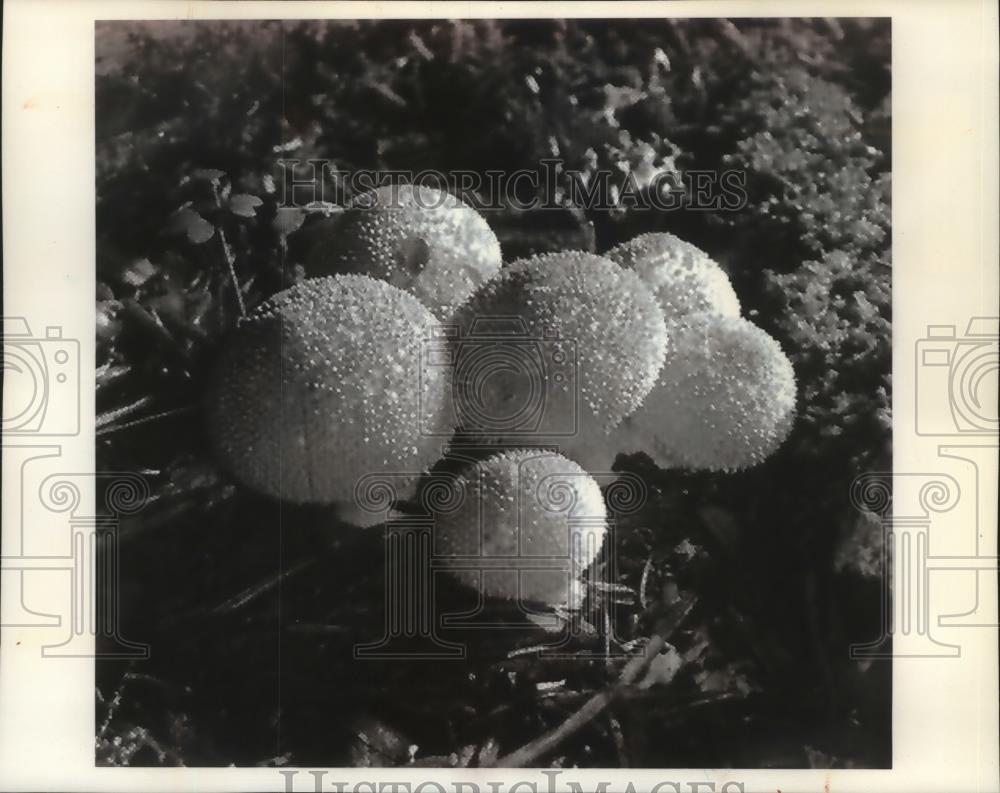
244	205
200	230
288	219
377	745
138	272
189	222
550	623
292	145
180	220
686	549
662	669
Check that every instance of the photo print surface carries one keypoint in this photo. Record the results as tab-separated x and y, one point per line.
494	392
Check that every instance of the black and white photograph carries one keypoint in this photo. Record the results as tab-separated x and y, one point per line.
502	392
500	397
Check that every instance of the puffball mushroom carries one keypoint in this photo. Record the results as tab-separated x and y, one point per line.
526	525
724	401
321	385
557	350
417	238
683	277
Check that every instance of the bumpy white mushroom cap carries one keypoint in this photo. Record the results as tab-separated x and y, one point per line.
724	401
420	239
321	385
528	523
556	350
685	279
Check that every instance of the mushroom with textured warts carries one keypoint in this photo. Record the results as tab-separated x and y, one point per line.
725	399
423	240
525	526
321	385
556	351
683	277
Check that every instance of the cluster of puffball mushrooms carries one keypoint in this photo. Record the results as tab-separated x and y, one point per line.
641	349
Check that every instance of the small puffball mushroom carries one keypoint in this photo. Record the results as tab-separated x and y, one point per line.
526	523
684	278
724	401
321	385
417	238
556	351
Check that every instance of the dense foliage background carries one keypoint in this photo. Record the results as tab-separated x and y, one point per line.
251	608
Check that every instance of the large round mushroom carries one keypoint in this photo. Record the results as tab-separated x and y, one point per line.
322	385
725	399
685	279
524	527
556	351
423	240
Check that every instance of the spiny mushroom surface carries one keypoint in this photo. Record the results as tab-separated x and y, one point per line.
684	278
420	239
537	510
556	350
321	385
724	401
